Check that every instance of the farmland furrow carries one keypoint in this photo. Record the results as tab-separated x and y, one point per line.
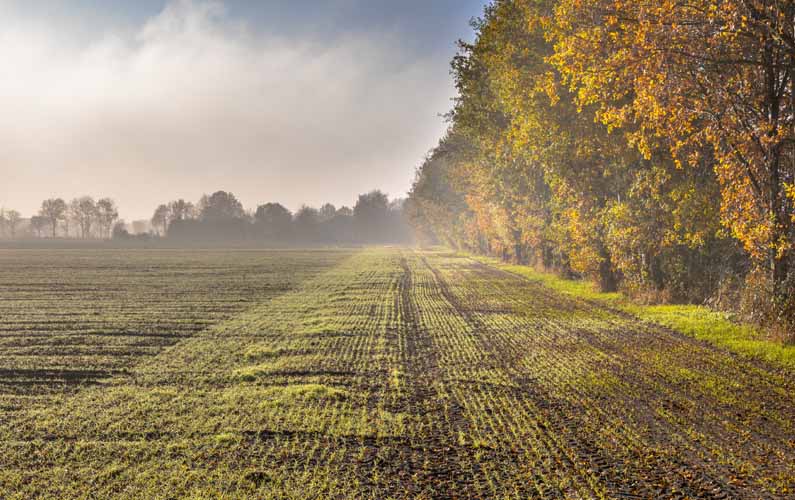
388	374
79	318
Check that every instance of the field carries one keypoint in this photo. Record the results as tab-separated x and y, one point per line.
379	373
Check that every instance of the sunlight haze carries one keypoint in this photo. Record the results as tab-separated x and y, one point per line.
297	103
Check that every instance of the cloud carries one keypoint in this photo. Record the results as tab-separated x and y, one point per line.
194	100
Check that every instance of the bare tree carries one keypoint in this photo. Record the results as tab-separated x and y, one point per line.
83	212
160	219
181	210
107	214
12	220
53	211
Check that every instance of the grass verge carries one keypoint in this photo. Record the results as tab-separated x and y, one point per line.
696	321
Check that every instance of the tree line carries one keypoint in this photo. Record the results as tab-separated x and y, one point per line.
218	218
80	218
647	145
221	217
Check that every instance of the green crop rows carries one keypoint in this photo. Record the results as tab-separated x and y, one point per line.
72	318
383	373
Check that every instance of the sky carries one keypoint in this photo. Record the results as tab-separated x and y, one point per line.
146	101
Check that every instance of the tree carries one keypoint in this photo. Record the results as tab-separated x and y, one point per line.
106	214
53	211
12	221
306	223
37	224
120	231
83	212
436	208
529	173
181	210
704	79
274	220
327	212
220	205
160	219
371	214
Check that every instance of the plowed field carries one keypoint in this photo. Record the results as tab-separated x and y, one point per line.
383	373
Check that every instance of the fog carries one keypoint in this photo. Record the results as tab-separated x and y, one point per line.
191	99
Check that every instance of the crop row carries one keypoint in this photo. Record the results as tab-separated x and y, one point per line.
403	374
74	318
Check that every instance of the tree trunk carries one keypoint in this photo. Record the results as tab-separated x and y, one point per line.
608	282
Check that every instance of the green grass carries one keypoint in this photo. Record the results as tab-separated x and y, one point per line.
696	321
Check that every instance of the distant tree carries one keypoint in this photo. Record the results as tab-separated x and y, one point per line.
83	212
399	227
66	226
371	216
160	219
107	214
53	211
181	210
271	212
306	223
73	214
12	221
339	227
120	231
327	212
37	224
273	219
220	205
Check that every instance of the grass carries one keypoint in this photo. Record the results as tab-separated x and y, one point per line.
696	321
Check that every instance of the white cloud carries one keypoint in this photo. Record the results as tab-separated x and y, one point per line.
194	100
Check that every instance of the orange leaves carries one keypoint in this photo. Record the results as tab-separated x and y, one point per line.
619	133
680	74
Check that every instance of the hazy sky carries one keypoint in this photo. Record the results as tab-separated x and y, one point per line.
151	100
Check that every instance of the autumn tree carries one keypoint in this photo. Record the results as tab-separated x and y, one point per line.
545	180
436	209
699	78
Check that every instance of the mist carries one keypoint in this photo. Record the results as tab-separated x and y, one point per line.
192	99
